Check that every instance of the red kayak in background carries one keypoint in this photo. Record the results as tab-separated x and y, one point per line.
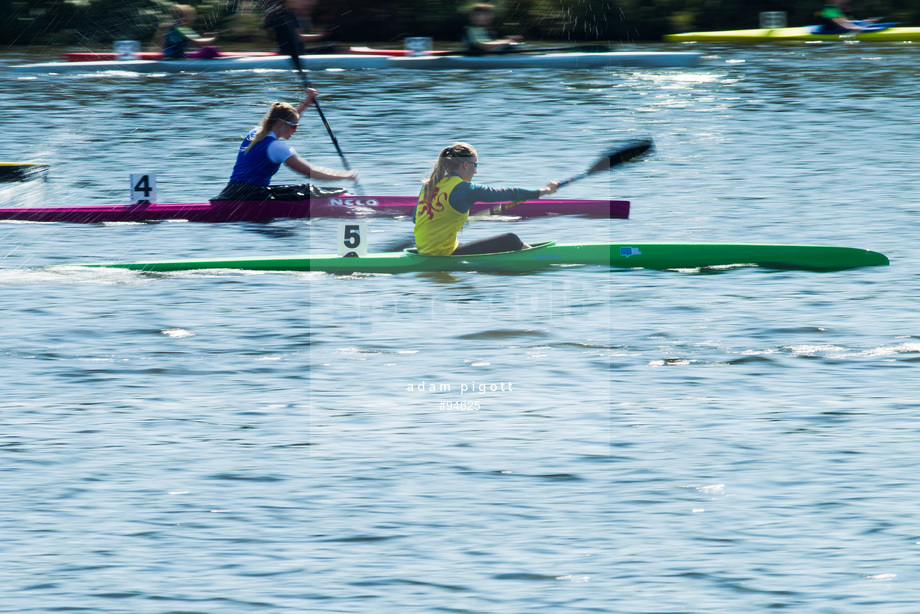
84	56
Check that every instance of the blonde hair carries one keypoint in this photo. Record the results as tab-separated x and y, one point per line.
279	111
182	11
448	162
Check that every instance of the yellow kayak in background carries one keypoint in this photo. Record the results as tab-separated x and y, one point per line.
804	33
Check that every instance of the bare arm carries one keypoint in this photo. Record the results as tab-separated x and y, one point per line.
846	24
303	167
499	43
307	101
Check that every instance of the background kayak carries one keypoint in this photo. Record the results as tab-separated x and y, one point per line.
549	60
792	34
88	56
560	60
82	56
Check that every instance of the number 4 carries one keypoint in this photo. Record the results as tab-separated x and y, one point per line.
144	186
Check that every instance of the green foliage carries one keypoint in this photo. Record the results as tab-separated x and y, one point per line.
89	22
102	21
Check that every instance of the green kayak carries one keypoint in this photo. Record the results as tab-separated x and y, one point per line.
550	255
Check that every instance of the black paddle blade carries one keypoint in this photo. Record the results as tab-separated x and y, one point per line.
621	154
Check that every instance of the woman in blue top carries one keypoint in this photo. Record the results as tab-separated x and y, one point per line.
265	149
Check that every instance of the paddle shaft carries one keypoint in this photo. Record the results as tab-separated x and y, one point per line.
295	57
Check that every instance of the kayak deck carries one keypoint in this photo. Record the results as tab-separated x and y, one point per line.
550	255
344	206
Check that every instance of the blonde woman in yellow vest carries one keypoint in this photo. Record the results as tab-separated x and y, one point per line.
444	206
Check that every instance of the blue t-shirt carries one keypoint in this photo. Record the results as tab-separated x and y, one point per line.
259	164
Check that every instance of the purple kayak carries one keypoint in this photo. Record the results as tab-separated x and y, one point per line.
344	206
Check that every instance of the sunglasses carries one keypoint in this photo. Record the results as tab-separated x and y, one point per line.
292	124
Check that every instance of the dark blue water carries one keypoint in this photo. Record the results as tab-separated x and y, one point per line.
611	441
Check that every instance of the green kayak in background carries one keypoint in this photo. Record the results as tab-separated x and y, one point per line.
549	255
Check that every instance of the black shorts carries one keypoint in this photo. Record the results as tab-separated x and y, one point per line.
508	242
248	191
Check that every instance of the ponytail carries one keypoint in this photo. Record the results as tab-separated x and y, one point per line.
279	111
448	162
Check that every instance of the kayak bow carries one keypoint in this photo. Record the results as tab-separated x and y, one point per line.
550	255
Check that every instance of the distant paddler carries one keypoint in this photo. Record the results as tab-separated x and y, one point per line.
265	149
291	23
835	21
479	38
444	206
176	36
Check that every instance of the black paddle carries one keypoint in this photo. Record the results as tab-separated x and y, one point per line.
295	58
614	157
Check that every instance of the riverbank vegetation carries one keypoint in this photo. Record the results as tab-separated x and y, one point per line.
99	22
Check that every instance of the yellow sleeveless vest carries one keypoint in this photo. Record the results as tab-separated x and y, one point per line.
436	222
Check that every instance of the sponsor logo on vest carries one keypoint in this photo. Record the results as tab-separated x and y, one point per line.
353	202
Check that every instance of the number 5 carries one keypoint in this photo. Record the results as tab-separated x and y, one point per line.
352	238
